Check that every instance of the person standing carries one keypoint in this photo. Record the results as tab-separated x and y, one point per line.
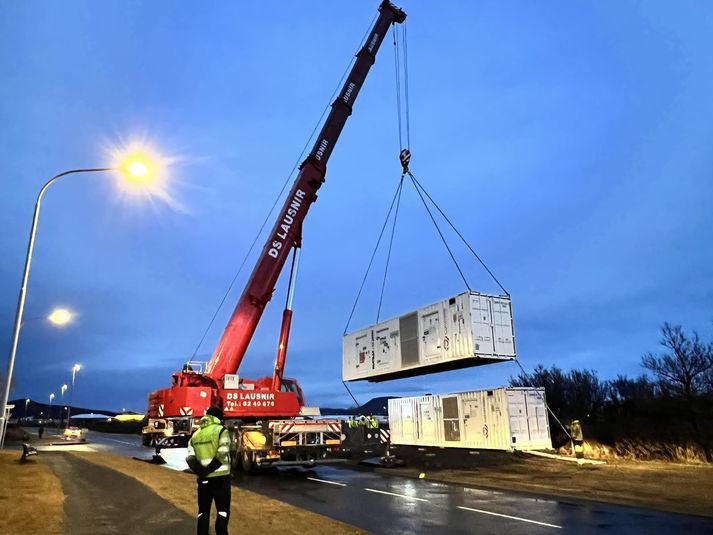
208	457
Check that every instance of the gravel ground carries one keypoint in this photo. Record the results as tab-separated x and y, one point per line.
26	489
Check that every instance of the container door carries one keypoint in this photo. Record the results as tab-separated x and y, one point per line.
407	427
503	336
431	336
474	423
426	423
396	422
517	413
384	348
482	319
456	342
451	419
537	417
363	352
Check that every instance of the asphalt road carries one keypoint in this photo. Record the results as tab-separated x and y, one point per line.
396	505
392	505
131	508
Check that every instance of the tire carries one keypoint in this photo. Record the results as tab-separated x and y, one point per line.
247	461
146	440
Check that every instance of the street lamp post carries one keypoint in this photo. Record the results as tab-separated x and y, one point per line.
75	369
51	398
62	390
27	402
135	171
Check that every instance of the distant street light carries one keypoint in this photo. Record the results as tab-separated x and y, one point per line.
27	402
133	169
60	317
75	369
63	390
51	398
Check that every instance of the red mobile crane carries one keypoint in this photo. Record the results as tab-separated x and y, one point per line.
266	415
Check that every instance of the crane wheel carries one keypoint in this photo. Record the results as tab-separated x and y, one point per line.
247	461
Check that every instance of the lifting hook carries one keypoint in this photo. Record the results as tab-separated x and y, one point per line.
405	157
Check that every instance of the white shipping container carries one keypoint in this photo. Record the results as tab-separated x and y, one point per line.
498	419
470	329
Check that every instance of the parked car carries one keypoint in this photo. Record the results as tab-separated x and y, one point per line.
74	433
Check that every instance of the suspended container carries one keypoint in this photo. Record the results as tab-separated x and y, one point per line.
499	419
470	329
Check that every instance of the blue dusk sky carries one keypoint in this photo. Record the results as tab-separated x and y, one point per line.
570	142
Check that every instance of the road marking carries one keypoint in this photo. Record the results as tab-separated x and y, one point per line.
121	441
510	517
394	494
325	481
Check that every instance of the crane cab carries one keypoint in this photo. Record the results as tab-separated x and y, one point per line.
290	385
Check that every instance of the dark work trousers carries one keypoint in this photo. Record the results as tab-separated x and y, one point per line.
214	489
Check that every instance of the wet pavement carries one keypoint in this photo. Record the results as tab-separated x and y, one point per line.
390	505
394	505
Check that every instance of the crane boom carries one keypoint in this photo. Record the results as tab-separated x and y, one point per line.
287	231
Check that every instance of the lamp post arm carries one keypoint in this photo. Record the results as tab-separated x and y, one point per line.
23	288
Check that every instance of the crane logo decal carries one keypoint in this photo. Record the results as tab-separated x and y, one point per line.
348	92
372	44
320	151
249	399
286	224
186	411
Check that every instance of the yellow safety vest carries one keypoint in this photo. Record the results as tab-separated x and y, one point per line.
206	445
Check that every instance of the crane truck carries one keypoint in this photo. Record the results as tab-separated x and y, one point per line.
267	417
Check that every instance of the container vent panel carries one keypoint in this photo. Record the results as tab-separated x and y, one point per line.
408	327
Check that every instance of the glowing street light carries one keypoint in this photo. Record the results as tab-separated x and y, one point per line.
60	317
138	168
27	402
63	390
51	399
134	168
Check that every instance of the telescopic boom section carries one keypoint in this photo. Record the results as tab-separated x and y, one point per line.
287	231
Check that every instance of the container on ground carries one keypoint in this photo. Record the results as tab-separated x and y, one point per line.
499	419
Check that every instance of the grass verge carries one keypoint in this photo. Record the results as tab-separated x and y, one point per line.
28	489
262	514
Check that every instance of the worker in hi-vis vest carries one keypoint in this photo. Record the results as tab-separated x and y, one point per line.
209	458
